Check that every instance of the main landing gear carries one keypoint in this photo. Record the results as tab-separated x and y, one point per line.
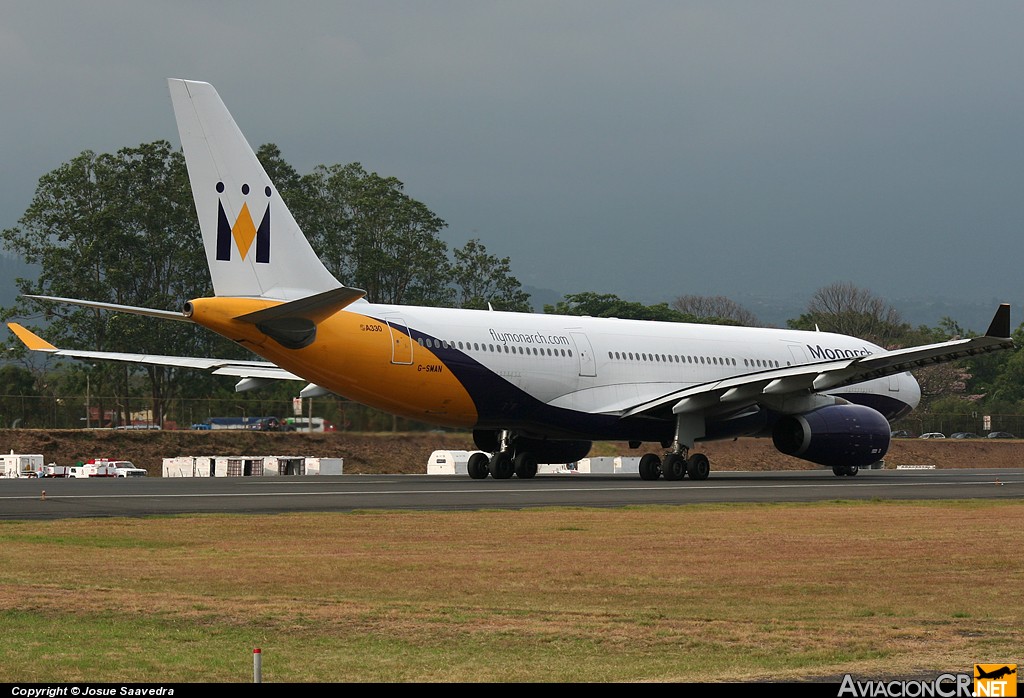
675	466
840	470
503	464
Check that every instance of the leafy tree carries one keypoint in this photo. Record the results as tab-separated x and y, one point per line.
285	177
1007	385
609	305
992	374
481	278
117	228
716	310
375	237
978	379
18	396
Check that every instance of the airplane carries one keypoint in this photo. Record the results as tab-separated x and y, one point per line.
995	674
532	388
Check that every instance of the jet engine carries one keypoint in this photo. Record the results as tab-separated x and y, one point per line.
836	435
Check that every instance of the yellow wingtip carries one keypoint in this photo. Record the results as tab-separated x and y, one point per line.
30	339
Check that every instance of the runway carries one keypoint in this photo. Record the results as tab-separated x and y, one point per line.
28	499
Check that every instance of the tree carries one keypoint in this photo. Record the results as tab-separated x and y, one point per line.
373	236
285	177
18	397
717	310
847	309
117	228
481	279
1007	386
610	305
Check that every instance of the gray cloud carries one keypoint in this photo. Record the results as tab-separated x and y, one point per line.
648	149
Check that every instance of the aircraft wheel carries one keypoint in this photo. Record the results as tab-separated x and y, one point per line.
650	467
525	465
501	466
852	470
477	466
673	467
698	466
839	470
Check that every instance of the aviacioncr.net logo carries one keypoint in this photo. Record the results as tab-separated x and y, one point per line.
244	230
995	680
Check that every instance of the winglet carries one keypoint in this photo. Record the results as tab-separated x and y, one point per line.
1000	326
30	339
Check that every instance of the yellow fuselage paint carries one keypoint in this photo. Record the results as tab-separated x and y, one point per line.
352	356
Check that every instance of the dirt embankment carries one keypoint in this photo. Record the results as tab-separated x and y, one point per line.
408	452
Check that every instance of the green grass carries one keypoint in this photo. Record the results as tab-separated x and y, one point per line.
697	593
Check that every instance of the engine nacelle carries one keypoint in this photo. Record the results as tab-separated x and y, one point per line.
837	435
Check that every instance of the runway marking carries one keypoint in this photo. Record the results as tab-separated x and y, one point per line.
655	488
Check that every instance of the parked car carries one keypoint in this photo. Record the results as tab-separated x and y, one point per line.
964	435
901	434
1001	435
933	435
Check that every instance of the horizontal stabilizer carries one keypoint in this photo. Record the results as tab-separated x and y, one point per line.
131	309
293	324
314	308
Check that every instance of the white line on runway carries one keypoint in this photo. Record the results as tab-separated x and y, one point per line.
479	490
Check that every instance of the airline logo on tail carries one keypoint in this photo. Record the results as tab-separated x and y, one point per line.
244	231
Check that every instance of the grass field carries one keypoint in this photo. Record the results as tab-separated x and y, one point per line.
695	593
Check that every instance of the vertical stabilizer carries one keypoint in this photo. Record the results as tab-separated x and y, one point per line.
253	245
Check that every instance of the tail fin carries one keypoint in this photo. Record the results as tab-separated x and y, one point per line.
253	245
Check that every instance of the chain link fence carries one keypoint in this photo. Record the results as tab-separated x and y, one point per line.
79	412
947	424
107	412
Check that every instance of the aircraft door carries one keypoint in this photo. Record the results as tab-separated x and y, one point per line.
588	366
798	355
401	343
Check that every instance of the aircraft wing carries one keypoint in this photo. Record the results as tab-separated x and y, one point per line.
739	391
222	367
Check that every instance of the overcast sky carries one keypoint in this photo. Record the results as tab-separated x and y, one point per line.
648	149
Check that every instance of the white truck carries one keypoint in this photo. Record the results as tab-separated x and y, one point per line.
104	467
99	467
82	470
23	465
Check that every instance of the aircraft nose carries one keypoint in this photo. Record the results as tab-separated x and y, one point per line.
910	390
